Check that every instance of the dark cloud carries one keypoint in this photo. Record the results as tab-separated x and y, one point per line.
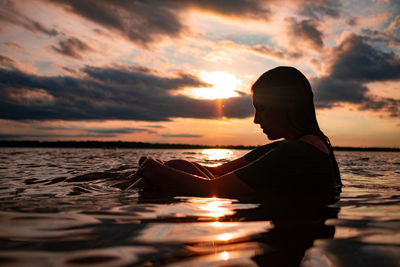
382	104
322	8
6	136
123	130
181	135
155	126
305	30
331	91
110	93
10	14
146	22
142	77
140	21
71	47
356	59
353	64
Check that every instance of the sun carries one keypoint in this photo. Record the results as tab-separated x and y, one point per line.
224	85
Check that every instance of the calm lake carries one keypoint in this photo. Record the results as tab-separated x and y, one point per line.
64	207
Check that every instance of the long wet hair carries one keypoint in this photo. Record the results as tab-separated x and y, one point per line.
287	90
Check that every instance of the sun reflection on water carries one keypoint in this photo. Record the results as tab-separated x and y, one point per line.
224	256
225	236
216	154
215	207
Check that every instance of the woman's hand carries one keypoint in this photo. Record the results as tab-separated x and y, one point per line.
144	163
143	159
148	166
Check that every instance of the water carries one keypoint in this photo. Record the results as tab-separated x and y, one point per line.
64	207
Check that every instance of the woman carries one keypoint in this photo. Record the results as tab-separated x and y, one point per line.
283	101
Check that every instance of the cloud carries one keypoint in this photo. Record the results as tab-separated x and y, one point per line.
322	8
71	47
263	50
269	51
305	30
253	9
181	135
9	14
70	70
31	97
146	22
353	64
7	63
388	36
13	44
123	130
124	93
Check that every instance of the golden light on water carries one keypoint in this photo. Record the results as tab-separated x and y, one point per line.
224	256
222	233
216	224
225	236
214	207
224	85
216	153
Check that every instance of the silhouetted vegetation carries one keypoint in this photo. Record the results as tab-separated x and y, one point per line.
348	148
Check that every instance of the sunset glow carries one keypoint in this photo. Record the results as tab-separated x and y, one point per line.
224	85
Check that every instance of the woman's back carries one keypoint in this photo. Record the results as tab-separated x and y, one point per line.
290	170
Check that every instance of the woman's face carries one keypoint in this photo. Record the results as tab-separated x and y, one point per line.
272	120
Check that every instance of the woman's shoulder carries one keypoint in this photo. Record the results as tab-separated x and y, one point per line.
261	150
301	148
273	145
316	142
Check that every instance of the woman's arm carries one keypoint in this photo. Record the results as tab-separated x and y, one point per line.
215	171
178	182
228	167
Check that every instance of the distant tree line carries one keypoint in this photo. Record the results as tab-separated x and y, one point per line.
123	144
109	144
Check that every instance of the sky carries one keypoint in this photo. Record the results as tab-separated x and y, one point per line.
171	71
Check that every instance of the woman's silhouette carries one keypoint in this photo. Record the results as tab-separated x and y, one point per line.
302	164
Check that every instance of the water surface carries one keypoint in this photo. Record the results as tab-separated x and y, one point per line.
64	207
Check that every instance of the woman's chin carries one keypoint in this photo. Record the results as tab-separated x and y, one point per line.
271	136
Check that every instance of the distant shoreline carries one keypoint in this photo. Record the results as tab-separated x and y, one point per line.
123	144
